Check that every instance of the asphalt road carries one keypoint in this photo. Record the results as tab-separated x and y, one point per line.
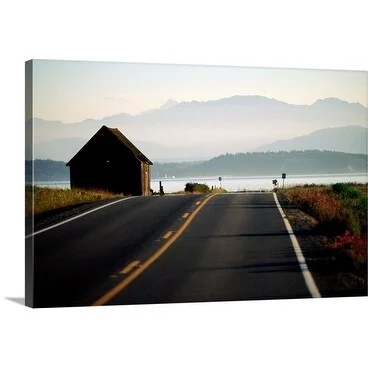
155	250
71	261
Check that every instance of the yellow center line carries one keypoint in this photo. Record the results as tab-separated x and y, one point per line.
185	215
132	276
167	235
129	267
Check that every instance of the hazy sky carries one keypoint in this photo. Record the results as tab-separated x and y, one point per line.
71	91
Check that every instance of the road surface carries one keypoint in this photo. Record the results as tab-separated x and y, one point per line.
188	248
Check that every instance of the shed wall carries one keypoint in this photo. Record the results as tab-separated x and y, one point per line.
105	163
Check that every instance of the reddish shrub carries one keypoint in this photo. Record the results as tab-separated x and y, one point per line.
357	245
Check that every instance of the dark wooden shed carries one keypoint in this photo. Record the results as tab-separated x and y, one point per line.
111	162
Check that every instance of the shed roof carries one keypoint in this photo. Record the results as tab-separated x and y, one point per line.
124	140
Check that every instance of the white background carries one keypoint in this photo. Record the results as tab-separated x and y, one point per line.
308	34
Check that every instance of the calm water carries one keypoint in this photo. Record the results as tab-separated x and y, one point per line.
231	183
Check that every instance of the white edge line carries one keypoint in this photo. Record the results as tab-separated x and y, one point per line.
308	278
78	216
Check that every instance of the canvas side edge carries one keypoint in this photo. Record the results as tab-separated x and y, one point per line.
29	220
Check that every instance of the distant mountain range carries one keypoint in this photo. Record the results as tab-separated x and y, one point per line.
351	139
204	129
169	103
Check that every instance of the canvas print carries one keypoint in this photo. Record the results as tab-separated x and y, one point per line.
158	183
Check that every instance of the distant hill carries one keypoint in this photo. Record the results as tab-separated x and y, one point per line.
46	170
63	149
240	164
269	163
350	139
205	128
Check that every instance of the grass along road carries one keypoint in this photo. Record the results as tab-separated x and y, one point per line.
330	223
39	200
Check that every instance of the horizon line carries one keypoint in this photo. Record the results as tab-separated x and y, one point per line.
194	101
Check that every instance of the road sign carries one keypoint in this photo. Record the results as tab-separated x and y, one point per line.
283	178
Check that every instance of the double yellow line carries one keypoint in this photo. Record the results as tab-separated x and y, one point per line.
132	276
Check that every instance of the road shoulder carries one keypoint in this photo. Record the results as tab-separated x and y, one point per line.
53	217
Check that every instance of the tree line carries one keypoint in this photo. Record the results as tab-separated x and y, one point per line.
239	164
267	163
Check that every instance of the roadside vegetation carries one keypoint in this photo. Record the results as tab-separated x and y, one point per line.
41	199
197	188
202	188
216	190
341	211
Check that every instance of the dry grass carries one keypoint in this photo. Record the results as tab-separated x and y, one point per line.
216	190
39	199
318	202
341	210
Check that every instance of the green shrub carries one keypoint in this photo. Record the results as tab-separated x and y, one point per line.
346	191
354	204
197	188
